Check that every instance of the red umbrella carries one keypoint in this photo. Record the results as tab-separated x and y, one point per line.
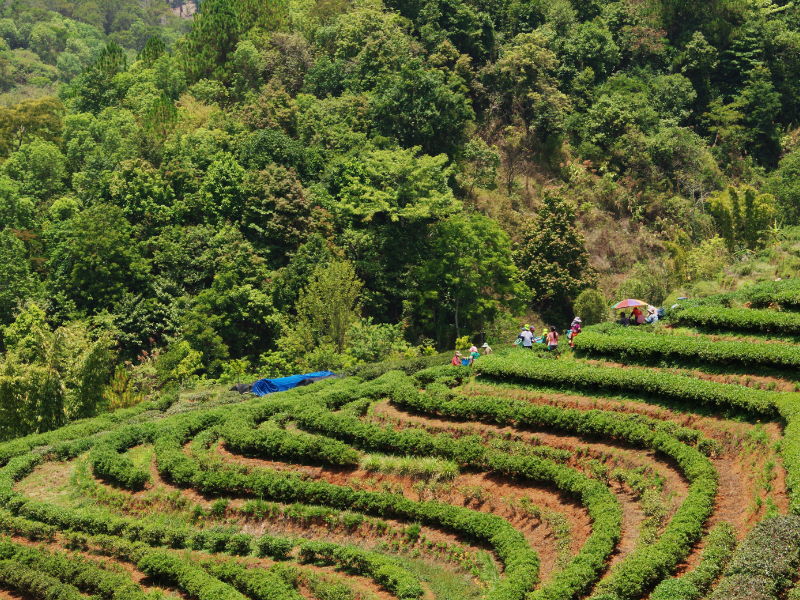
629	303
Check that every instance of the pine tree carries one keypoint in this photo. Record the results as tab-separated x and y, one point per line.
552	259
212	40
219	26
269	15
152	51
96	88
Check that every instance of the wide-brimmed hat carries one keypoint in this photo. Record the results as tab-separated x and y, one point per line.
458	353
578	319
485	345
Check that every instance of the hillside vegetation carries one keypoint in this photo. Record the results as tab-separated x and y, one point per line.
267	187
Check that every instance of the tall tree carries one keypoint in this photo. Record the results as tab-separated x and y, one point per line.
523	84
94	260
15	273
212	41
97	88
28	120
328	306
470	275
552	259
419	108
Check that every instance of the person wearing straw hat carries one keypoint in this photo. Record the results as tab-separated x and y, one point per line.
486	349
457	359
652	314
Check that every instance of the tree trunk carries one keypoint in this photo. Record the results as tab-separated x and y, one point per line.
457	329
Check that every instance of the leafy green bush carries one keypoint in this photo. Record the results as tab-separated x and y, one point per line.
85	575
765	563
367	372
256	584
381	568
108	463
272	442
274	547
38	585
591	307
785	293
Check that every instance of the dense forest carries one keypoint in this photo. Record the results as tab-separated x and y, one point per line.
265	186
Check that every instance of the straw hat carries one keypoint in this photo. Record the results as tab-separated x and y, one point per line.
458	353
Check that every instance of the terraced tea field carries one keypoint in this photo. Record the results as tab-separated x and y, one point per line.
659	463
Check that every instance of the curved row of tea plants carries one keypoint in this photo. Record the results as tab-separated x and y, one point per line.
631	343
518	367
785	293
765	563
718	548
736	319
650	563
170	567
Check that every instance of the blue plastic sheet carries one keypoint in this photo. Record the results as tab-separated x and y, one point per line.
262	387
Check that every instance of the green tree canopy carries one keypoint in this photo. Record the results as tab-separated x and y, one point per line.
50	377
39	167
30	119
470	276
392	185
419	108
213	40
329	304
524	84
552	259
16	212
785	185
98	86
94	260
15	273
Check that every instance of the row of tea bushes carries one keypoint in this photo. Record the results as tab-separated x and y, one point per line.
573	375
765	563
87	576
785	293
648	564
737	319
717	551
633	344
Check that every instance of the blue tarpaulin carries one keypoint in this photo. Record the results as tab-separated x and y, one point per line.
262	387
